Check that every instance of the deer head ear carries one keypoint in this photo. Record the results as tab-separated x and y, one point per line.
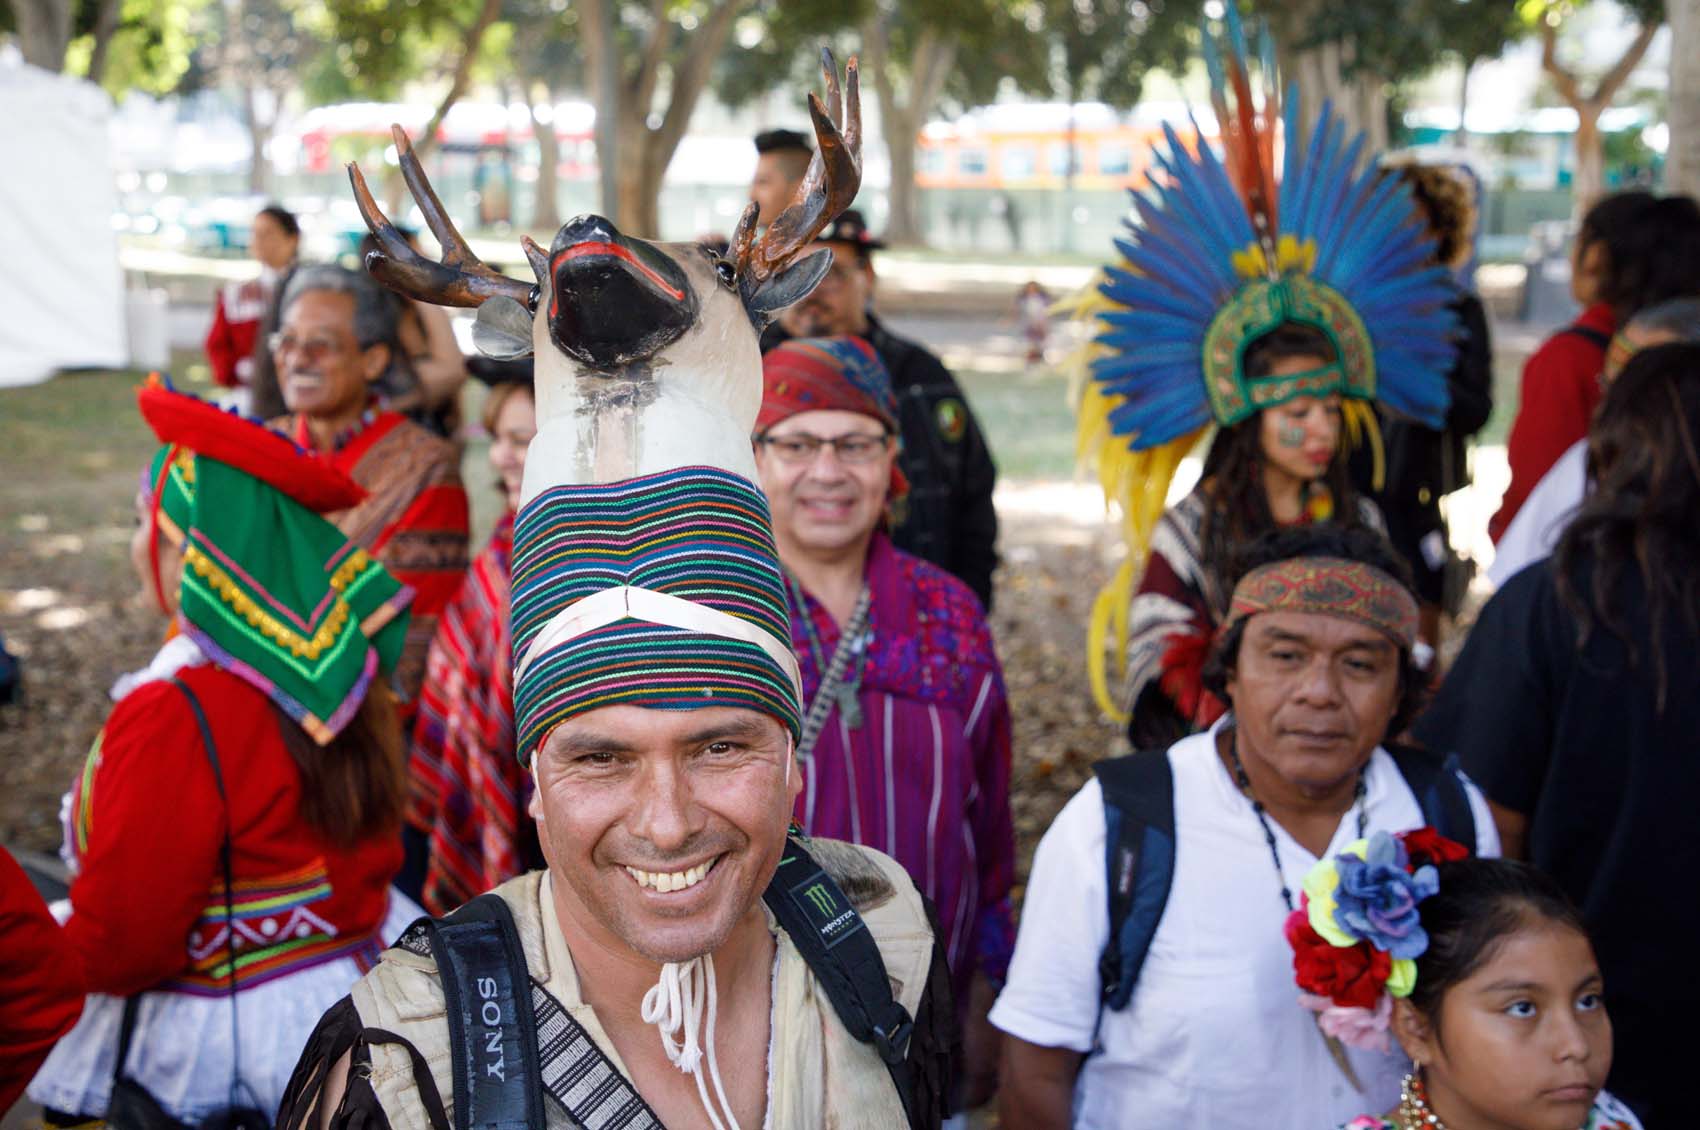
789	286
502	329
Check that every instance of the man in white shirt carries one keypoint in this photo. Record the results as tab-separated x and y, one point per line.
1315	660
1544	515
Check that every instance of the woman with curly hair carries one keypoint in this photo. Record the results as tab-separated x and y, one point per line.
1576	706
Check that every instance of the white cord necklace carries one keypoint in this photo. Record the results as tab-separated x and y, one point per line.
676	1001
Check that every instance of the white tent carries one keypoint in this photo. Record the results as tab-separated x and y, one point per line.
62	292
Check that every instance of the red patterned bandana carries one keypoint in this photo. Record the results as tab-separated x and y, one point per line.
1332	586
841	374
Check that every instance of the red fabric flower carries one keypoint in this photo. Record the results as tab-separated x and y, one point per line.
1425	846
1350	976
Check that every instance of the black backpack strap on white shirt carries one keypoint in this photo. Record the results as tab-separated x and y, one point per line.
841	952
1139	865
1438	784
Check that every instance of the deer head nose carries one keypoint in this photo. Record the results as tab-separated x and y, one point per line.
589	228
614	299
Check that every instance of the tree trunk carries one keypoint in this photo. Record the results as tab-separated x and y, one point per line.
546	216
638	170
643	153
426	142
1589	181
1682	168
259	132
1463	138
901	119
1065	206
903	224
105	26
44	32
639	185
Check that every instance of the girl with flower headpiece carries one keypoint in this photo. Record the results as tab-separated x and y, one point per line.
1480	969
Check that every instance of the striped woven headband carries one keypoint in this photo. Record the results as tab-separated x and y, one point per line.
662	591
1333	586
629	603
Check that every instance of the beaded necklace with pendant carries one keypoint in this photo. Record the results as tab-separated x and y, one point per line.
1359	798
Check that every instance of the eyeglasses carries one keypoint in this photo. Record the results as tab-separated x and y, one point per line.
801	447
313	349
841	274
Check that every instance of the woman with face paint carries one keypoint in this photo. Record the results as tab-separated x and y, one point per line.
1281	466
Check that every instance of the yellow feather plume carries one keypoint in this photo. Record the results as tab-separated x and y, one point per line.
1135	482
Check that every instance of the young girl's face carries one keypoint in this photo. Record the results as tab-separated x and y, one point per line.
1523	1043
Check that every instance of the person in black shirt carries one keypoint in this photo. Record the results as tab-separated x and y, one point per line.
1576	707
1421	464
949	519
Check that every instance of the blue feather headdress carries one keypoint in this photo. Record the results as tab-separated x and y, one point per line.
1219	253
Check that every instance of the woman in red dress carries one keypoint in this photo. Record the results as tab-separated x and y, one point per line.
281	631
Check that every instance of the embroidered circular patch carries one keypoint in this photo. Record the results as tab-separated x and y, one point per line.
951	416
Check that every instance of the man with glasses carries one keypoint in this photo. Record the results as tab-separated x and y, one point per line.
948	517
905	746
336	338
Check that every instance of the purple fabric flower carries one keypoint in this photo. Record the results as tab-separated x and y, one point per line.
1377	898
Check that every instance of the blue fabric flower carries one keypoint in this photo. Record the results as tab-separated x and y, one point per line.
1377	898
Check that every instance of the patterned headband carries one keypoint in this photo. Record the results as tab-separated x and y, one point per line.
1333	586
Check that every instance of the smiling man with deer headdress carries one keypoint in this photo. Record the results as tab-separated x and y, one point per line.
683	961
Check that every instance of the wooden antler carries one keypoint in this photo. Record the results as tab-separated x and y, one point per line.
830	184
461	279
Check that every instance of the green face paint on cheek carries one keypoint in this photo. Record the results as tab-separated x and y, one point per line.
1290	435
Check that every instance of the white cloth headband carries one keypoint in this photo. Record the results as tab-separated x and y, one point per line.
628	602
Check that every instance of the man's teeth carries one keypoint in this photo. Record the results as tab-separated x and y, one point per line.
668	881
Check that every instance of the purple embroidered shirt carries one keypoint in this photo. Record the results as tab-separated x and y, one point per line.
925	777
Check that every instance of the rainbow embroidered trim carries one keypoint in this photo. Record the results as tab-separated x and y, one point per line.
277	933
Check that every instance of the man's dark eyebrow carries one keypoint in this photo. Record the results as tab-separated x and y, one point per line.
746	730
1274	634
579	744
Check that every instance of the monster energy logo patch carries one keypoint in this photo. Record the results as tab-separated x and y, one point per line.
826	909
820	897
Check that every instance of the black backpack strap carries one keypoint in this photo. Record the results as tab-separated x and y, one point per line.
841	952
1588	333
1438	784
1139	862
527	1044
492	1028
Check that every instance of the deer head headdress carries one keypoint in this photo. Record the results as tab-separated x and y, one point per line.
646	353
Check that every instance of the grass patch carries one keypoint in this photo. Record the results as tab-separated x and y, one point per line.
71	455
1027	419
